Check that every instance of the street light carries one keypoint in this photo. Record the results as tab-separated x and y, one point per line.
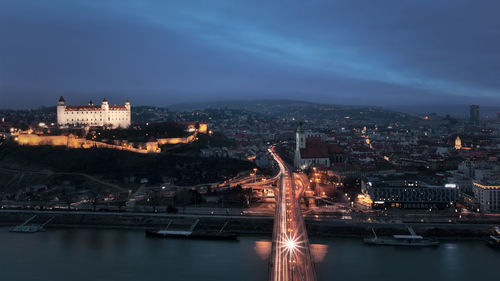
291	245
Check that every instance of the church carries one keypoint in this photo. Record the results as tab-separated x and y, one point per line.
104	115
310	150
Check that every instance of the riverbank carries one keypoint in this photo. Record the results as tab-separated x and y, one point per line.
244	225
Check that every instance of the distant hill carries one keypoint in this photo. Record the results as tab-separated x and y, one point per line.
233	104
459	110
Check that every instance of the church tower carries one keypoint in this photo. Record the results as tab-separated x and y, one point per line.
300	143
300	138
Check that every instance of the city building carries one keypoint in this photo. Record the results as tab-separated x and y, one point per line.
487	196
408	191
93	115
309	150
474	113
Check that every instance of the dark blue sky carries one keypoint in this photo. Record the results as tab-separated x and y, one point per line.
164	52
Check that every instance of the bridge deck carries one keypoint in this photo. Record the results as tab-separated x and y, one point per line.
290	256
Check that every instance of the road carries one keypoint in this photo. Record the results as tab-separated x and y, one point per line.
290	257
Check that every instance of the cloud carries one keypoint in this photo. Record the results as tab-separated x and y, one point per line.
395	52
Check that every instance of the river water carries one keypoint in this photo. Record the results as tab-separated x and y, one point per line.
90	254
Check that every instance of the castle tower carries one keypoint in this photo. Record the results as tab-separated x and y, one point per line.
105	112
61	106
129	112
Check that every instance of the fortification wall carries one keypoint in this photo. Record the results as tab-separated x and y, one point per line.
187	139
72	141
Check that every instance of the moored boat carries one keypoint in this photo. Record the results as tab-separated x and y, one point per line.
494	240
192	234
30	228
411	240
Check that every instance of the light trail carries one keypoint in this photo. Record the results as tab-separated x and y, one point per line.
291	256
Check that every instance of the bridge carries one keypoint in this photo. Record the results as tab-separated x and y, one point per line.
290	256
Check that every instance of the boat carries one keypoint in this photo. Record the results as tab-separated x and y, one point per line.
30	228
192	234
412	240
494	240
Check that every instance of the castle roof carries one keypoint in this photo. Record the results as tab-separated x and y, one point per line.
83	108
93	108
117	107
61	99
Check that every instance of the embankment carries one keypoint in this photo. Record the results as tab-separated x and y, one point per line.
239	224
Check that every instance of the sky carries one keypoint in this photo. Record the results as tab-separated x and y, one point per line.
384	53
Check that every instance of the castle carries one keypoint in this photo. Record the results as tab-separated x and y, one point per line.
93	115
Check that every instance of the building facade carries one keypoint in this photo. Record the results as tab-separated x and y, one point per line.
474	113
94	115
404	193
487	197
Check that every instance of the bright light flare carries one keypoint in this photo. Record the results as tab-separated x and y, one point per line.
291	244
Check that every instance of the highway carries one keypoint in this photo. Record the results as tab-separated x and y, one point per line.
290	256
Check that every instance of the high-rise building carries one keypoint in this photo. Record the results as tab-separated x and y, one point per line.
474	113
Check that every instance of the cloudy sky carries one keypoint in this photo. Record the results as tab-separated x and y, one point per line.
163	52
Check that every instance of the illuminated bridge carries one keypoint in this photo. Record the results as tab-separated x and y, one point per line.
290	256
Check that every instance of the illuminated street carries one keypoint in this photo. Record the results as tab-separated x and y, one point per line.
290	258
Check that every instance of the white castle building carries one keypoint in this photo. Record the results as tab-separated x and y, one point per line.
93	115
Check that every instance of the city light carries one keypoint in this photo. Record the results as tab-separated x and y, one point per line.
291	245
241	128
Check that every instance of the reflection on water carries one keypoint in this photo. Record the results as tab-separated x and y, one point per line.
318	252
451	259
263	249
121	255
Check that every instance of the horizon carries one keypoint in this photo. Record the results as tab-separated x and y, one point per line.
460	110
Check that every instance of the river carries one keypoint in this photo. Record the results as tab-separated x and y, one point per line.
104	255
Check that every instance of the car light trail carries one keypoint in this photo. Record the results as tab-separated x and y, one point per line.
290	254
